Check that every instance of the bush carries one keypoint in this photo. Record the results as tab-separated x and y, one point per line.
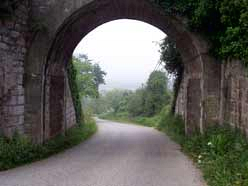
221	153
20	150
222	22
139	120
147	121
172	125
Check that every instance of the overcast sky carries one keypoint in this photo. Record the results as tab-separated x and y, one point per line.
126	49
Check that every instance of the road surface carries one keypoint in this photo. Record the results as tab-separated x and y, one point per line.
118	155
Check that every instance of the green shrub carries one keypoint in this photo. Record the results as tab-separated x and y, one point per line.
20	150
139	120
221	153
147	121
223	22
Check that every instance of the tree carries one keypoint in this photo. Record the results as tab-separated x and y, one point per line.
89	76
98	75
173	63
136	103
171	57
146	101
117	100
156	95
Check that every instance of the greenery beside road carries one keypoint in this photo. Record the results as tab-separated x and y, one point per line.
147	101
20	150
139	120
221	153
84	79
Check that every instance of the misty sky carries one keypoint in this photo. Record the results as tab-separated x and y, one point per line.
126	49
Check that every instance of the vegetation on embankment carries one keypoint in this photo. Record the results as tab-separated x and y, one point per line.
20	150
84	80
139	107
221	153
223	22
146	101
139	120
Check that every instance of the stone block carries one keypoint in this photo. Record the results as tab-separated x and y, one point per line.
21	42
20	100
4	46
14	34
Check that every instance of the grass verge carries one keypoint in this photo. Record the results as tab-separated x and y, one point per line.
20	150
140	120
221	153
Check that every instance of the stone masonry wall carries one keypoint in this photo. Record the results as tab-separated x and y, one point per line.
181	99
232	106
234	98
59	108
209	92
12	56
69	109
189	98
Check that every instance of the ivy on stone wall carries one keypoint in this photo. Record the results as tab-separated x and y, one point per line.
223	22
72	76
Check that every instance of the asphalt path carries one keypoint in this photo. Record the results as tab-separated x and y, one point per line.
117	155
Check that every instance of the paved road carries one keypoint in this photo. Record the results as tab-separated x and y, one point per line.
118	155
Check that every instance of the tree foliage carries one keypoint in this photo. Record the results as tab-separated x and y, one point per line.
156	93
172	61
145	101
89	76
223	22
136	103
84	79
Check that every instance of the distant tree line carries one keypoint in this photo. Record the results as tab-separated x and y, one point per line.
145	101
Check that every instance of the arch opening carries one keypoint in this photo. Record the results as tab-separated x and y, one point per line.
84	19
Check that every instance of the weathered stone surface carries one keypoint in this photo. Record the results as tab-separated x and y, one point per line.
35	98
70	110
12	42
234	94
66	23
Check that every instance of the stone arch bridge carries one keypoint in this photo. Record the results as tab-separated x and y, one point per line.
38	41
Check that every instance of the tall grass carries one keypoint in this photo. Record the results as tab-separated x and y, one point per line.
139	120
20	150
221	153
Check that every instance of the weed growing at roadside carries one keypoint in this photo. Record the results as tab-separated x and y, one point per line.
221	153
20	150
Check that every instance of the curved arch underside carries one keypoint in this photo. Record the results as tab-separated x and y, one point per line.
98	12
69	21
